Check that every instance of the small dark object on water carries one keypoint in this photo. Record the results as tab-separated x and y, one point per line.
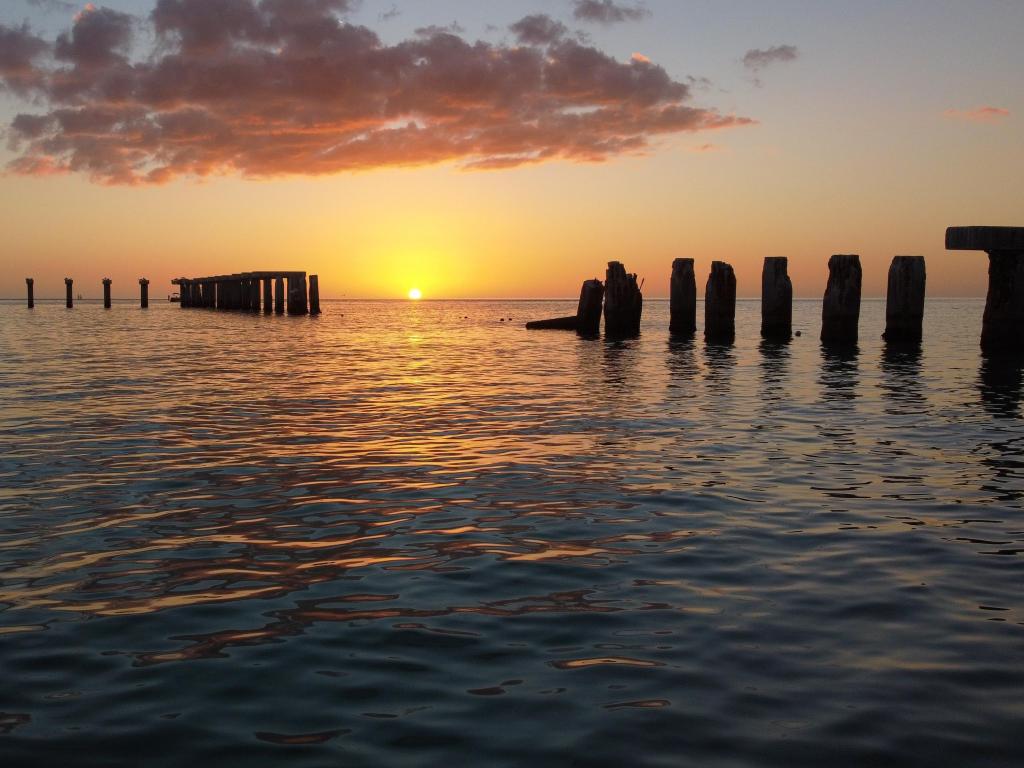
799	333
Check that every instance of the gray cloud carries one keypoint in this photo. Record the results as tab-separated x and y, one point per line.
757	59
538	29
607	11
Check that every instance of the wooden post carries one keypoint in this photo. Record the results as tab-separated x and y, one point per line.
30	283
143	293
588	312
70	300
776	299
623	302
720	304
297	294
314	295
268	296
106	292
904	302
683	299
279	295
840	310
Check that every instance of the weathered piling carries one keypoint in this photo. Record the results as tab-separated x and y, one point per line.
683	298
840	310
30	284
268	296
297	294
567	323
588	311
70	299
106	292
904	300
143	293
776	299
314	295
720	304
1002	329
279	295
623	302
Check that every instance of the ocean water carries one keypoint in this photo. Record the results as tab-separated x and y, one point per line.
416	534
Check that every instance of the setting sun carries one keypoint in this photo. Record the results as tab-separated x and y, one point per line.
415	294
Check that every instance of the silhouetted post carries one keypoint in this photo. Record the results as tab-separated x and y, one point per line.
279	295
776	299
720	304
143	293
254	294
683	298
30	283
840	310
268	296
106	292
297	294
588	311
70	301
623	302
904	301
314	295
1002	327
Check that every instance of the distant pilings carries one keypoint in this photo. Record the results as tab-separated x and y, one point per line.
776	299
143	293
30	285
904	300
720	304
623	302
682	299
840	309
106	292
69	300
251	292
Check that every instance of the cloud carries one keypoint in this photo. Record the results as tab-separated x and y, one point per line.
757	59
978	115
538	29
266	88
607	11
54	6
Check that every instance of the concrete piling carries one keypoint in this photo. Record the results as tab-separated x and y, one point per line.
106	292
776	299
314	295
623	302
30	284
279	295
297	294
268	296
904	302
588	311
840	311
143	293
683	299
720	304
68	287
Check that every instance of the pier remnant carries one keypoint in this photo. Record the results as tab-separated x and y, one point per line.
70	299
268	296
106	292
623	302
588	311
30	284
279	295
314	295
143	293
297	294
840	310
720	304
904	302
568	323
776	299
1002	327
683	298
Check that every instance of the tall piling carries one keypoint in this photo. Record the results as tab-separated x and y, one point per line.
588	311
279	295
776	299
623	302
314	295
840	310
720	304
297	294
69	301
268	296
106	292
683	298
143	293
904	299
30	284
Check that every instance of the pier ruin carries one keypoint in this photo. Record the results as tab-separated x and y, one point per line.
251	292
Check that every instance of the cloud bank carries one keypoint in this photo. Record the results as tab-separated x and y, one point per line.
265	88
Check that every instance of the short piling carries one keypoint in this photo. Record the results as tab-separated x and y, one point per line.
720	304
30	284
268	296
588	311
904	301
279	295
68	287
683	299
776	299
623	302
143	293
840	310
106	292
314	295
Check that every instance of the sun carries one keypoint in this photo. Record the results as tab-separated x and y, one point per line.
415	294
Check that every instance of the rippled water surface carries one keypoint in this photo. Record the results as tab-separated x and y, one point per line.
416	534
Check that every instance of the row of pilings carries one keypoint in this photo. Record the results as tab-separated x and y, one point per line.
269	292
69	286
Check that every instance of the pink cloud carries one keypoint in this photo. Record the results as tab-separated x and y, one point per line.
978	115
265	88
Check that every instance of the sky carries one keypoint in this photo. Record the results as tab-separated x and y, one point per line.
507	149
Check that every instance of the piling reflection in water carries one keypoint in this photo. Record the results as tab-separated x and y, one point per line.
901	378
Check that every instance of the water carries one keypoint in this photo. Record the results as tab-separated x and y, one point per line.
411	534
